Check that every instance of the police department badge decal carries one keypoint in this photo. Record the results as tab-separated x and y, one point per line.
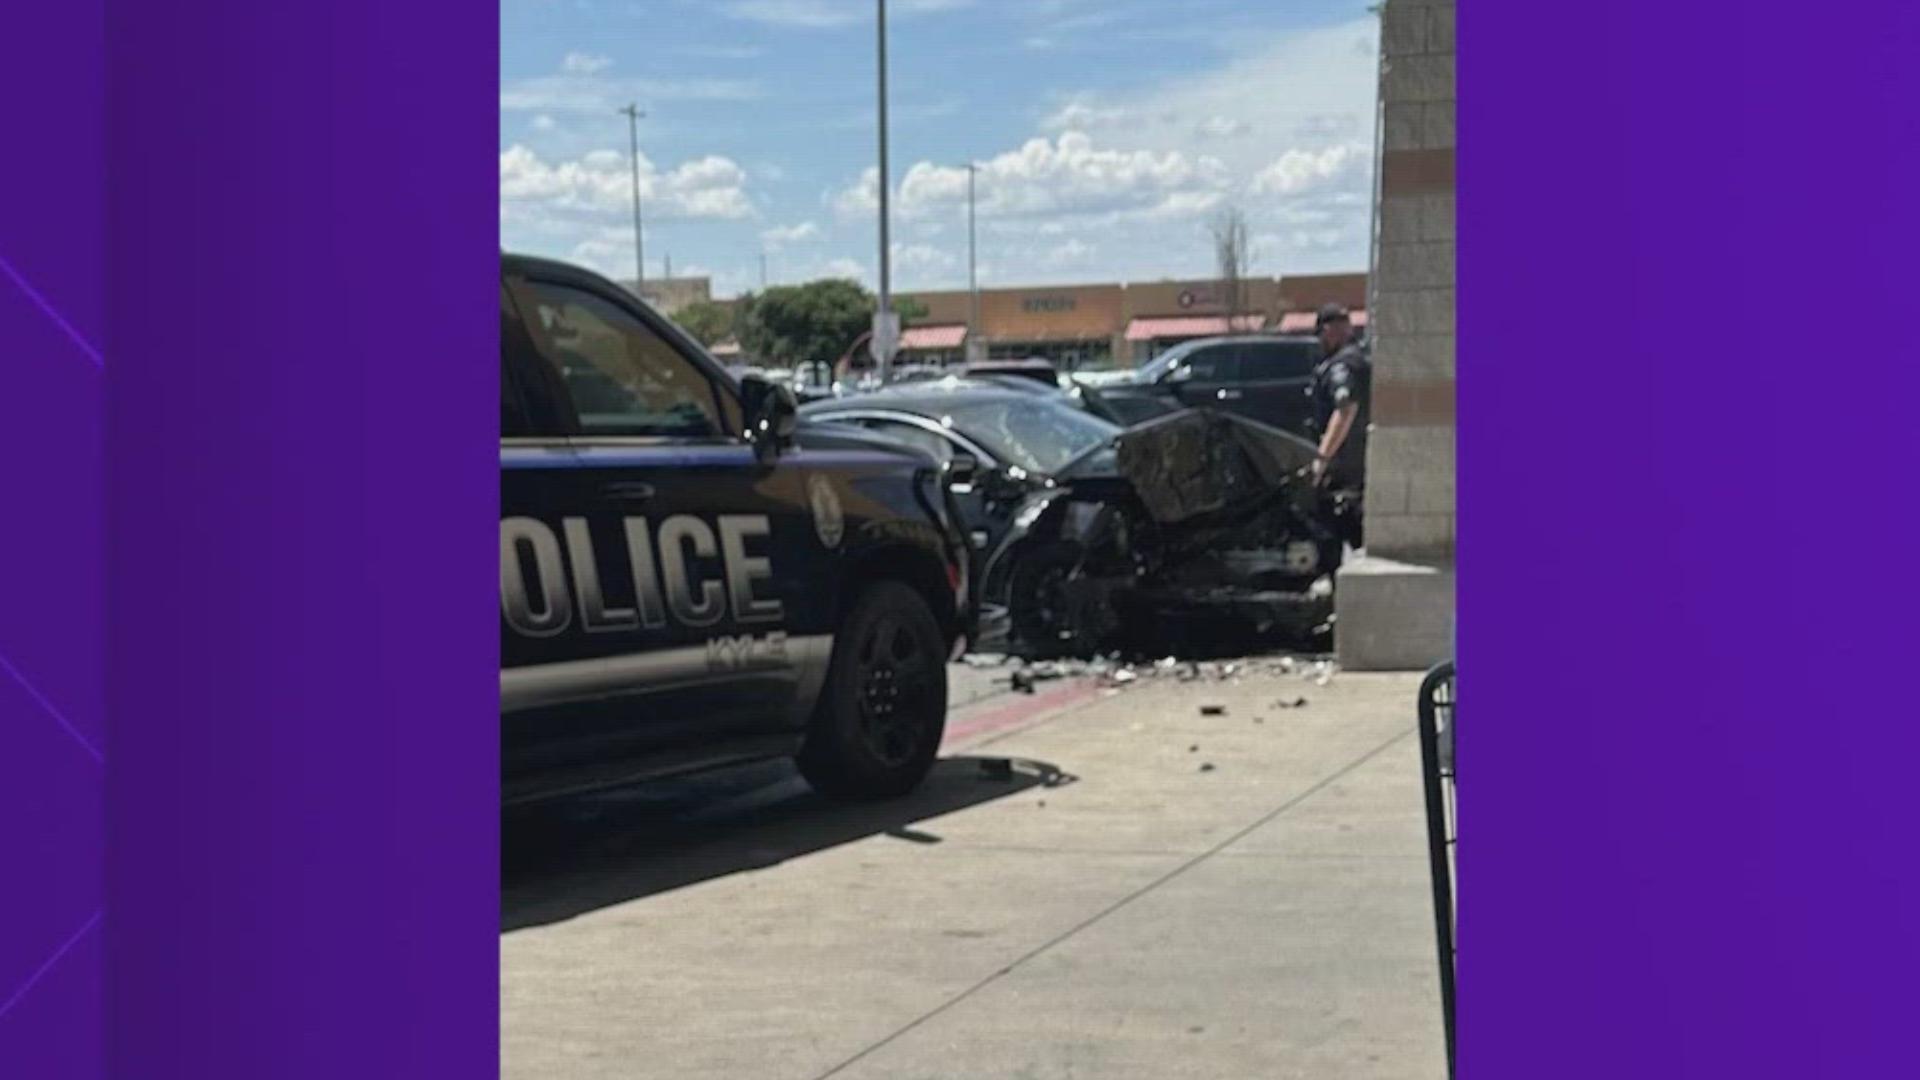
828	522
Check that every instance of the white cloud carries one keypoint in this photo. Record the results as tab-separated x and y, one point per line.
860	198
782	235
576	92
543	122
826	14
843	268
1071	174
1084	114
1223	127
578	63
1298	171
711	187
923	261
1073	253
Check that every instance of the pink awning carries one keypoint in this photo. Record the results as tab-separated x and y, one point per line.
1188	326
1301	322
933	337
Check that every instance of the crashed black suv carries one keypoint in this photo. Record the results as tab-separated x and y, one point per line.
688	579
1194	531
1091	538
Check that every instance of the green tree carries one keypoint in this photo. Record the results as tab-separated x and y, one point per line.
812	323
708	322
911	310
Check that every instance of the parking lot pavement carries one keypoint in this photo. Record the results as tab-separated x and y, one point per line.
1148	892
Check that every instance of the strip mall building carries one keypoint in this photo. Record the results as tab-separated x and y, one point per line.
1093	326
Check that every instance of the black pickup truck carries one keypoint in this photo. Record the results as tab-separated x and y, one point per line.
690	578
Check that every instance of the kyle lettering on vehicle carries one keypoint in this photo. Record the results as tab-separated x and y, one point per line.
538	600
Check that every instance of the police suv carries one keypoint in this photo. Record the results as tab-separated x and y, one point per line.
689	577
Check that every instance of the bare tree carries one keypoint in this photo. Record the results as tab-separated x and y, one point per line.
1232	256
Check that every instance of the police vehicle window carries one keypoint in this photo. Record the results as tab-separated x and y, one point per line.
624	378
1278	359
513	411
918	437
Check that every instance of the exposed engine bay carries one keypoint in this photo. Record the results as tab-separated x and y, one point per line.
1207	528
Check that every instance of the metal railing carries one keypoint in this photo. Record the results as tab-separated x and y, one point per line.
1437	696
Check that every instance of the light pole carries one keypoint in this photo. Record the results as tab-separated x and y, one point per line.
884	340
972	264
633	115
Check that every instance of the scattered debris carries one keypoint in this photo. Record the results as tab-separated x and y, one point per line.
1206	766
1213	710
997	769
1022	681
1194	749
1296	703
1123	675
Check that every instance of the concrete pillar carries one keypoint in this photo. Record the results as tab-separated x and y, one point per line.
1395	605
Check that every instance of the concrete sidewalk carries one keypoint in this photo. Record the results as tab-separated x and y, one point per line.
1114	909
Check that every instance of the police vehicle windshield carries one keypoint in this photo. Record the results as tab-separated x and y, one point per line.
1034	433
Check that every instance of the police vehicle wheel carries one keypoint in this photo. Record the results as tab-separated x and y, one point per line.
883	710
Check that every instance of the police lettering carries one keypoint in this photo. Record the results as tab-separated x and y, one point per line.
667	565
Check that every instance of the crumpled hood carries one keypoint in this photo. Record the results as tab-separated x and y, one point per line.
1200	461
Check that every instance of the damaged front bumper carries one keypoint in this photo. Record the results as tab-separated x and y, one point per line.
1208	526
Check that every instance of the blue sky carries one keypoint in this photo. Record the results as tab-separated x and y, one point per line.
1110	134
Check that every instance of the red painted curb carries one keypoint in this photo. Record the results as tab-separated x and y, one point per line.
1024	709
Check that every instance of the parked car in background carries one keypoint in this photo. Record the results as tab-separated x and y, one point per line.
1263	377
1035	369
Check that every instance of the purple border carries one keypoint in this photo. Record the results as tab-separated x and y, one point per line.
1690	852
302	463
1687	383
52	717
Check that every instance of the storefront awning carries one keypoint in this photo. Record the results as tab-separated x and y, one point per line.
1188	326
933	337
1301	322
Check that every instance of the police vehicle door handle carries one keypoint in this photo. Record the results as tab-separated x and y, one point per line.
1228	395
628	491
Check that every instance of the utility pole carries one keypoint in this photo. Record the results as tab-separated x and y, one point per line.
633	115
973	277
885	342
668	273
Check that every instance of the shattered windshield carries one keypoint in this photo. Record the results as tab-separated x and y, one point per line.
1033	433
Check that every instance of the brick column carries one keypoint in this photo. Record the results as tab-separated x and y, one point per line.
1396	605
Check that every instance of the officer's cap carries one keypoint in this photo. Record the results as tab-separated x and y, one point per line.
1330	313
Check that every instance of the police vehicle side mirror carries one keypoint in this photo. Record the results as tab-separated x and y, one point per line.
772	413
1180	373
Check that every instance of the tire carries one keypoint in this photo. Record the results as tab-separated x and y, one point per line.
877	727
1042	624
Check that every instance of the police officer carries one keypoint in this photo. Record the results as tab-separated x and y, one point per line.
1342	385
